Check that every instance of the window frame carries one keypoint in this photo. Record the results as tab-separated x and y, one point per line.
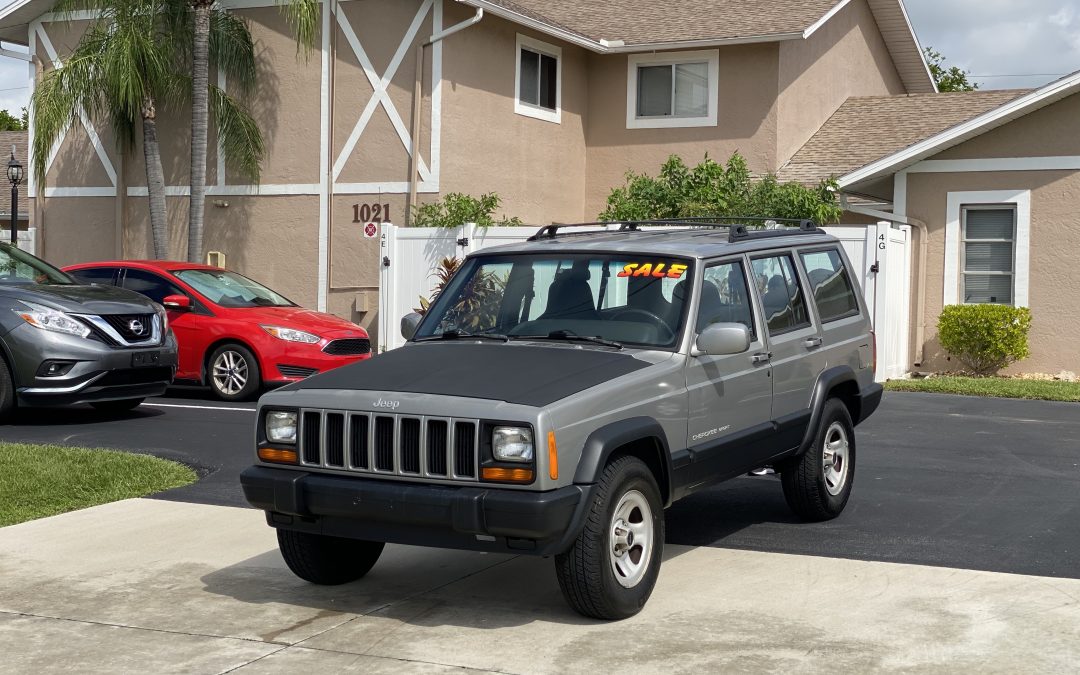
964	240
710	56
859	302
757	327
955	201
526	109
798	272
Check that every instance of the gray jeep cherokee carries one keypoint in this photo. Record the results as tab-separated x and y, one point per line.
560	393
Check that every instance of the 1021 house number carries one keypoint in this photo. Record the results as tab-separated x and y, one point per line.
371	213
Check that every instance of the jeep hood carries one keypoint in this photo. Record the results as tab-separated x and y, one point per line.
514	373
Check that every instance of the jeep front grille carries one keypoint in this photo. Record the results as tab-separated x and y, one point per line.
390	444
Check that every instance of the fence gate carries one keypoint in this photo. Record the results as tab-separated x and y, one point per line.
878	254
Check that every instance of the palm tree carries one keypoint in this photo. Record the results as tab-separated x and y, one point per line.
212	25
120	69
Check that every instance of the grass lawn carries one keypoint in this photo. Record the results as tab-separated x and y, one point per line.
44	480
997	387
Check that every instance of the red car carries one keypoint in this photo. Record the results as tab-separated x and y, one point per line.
234	334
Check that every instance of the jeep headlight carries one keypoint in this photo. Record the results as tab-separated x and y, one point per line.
281	426
512	444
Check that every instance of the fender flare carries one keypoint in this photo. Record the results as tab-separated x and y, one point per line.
828	379
602	442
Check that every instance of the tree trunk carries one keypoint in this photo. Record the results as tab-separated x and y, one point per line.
155	180
200	114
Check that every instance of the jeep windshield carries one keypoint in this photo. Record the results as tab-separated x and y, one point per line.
581	298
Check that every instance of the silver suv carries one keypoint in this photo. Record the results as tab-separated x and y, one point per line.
560	393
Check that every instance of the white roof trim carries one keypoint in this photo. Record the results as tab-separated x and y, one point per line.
825	19
1029	103
918	45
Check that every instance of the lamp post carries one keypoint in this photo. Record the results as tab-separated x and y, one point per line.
15	175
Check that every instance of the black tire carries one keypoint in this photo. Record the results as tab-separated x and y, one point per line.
7	392
586	572
247	367
327	561
121	406
807	488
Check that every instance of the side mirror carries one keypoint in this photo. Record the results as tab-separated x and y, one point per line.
178	302
721	339
409	323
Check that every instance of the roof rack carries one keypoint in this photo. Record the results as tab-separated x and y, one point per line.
739	227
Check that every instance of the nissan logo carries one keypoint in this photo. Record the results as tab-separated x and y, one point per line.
136	327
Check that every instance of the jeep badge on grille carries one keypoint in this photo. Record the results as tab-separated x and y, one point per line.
393	405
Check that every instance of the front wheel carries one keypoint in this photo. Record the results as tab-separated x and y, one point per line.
234	373
611	568
327	561
817	485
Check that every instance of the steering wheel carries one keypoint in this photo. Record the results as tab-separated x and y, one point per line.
652	318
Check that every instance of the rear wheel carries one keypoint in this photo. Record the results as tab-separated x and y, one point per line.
233	372
612	567
818	484
328	561
120	406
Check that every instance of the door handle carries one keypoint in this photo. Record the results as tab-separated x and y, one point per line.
812	343
763	357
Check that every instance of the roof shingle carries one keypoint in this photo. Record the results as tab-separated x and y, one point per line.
868	128
636	22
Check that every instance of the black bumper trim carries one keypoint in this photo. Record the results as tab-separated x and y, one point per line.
465	517
869	400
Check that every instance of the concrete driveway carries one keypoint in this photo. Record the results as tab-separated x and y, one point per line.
156	586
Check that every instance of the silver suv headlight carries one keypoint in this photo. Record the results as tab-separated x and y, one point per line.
281	426
52	320
512	444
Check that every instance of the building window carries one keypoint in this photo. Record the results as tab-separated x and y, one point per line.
989	252
539	80
678	89
988	247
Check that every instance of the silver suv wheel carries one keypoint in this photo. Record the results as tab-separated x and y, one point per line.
834	458
631	539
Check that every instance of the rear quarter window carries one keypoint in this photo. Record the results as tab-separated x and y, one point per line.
830	284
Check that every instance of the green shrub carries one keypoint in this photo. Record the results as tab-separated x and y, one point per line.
985	338
718	190
456	209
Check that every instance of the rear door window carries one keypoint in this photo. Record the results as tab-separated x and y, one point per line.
782	299
102	276
833	292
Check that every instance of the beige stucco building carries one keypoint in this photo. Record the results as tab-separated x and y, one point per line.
547	103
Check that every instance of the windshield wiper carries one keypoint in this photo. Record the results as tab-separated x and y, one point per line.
463	335
570	336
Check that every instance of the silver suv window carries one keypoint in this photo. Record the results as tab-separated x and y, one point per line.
833	293
635	300
725	297
781	297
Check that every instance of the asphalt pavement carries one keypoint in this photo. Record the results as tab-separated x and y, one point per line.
947	481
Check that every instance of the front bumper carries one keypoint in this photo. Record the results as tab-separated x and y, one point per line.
297	362
100	372
470	517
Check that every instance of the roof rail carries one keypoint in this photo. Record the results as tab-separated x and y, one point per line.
739	228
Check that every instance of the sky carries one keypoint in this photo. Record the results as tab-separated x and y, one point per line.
1005	44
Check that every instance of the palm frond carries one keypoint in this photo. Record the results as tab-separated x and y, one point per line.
303	17
239	133
232	49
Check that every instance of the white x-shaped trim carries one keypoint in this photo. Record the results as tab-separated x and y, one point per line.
95	140
380	86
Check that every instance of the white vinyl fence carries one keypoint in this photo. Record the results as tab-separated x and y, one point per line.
878	253
27	239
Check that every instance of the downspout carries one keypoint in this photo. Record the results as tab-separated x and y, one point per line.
418	98
920	279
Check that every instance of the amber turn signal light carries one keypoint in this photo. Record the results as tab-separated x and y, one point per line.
553	457
277	455
506	475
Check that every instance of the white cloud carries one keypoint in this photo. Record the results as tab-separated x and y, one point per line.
1009	44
